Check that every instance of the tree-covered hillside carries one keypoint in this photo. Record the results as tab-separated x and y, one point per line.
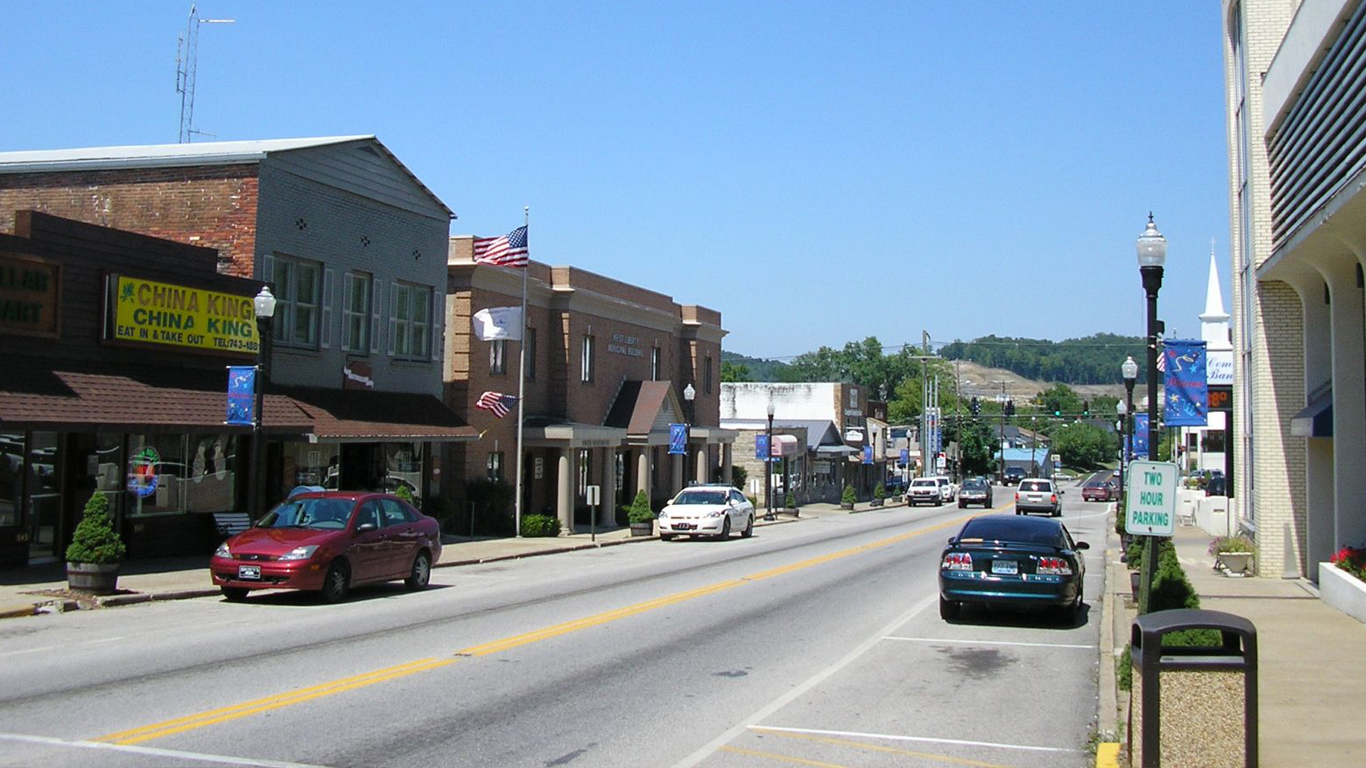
737	367
1090	360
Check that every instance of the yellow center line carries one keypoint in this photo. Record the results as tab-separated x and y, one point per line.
287	698
782	758
877	748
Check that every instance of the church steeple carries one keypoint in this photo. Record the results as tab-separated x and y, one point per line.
1214	320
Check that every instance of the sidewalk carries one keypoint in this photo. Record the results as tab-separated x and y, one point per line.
42	588
1309	656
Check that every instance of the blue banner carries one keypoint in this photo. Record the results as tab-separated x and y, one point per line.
678	438
1140	436
241	395
905	457
761	447
867	454
1185	391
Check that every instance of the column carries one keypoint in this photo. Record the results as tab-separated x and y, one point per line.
564	496
607	514
643	471
1349	400
677	470
727	465
703	465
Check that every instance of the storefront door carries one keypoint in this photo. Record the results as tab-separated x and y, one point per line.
44	496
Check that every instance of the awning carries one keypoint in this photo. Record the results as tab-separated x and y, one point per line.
1316	419
544	431
44	394
783	445
644	410
362	416
835	450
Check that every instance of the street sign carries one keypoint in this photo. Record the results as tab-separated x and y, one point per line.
594	495
1151	499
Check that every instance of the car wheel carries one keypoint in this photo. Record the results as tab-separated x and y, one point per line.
961	505
421	573
235	594
725	530
948	609
337	583
749	528
1057	512
665	537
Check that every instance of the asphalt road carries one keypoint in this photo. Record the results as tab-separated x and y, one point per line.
815	643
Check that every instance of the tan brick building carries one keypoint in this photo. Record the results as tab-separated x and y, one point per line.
607	368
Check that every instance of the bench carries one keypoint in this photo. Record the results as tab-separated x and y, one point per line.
231	523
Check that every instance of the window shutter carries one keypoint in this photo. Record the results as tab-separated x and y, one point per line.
375	304
393	314
438	349
325	338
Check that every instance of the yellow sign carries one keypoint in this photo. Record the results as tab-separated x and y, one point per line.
159	313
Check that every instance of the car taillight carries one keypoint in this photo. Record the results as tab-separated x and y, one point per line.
1055	498
957	561
1017	495
1054	565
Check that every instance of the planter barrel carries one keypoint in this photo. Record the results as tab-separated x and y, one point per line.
643	529
95	578
1236	562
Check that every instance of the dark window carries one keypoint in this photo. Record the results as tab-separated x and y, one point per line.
706	375
654	364
530	353
1019	530
495	466
586	361
498	356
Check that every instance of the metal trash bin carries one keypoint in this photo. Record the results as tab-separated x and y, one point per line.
1187	706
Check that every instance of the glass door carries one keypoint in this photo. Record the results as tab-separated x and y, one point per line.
44	496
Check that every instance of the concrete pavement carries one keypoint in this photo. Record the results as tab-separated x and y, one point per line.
1309	657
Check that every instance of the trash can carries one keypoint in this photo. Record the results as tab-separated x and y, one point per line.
1193	706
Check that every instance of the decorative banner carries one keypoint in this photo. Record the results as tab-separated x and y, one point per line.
1185	391
905	457
241	395
1140	437
159	313
761	447
867	454
142	472
678	438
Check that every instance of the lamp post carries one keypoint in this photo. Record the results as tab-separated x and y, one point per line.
1152	254
1120	429
768	469
264	306
1129	370
689	394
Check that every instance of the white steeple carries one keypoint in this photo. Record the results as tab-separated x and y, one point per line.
1214	320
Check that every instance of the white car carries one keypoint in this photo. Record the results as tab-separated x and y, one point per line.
947	490
707	510
924	490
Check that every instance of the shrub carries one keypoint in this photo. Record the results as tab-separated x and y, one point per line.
95	540
405	494
791	501
848	496
1125	673
640	511
878	492
753	500
738	476
544	526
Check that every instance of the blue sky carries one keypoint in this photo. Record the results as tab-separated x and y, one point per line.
818	172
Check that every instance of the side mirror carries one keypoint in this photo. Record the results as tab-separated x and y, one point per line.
953	540
1082	545
366	527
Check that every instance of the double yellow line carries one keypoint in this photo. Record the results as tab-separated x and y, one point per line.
298	696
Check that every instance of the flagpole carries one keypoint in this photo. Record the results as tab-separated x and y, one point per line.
521	380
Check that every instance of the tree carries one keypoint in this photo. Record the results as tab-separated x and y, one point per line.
732	372
1059	399
1083	446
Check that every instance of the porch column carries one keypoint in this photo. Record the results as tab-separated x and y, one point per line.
1349	400
564	497
702	465
643	471
676	481
727	467
607	511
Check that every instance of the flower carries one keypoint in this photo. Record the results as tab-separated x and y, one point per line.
1352	560
1232	545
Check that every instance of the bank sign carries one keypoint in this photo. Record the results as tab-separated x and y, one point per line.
149	312
1151	499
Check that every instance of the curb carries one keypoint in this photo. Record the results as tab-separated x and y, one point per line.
16	613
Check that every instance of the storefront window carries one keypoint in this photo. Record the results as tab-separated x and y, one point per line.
11	477
312	464
44	494
403	467
170	474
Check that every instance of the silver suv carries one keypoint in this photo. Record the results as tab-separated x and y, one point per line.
1037	494
924	490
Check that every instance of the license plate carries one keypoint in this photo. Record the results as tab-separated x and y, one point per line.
684	526
1005	567
248	571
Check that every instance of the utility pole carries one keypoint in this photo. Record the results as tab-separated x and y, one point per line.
1001	445
958	420
187	66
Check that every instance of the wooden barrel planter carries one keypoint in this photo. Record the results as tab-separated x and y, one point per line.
95	578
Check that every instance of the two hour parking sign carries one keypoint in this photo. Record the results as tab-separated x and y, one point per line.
1151	499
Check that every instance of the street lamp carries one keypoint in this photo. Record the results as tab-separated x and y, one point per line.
768	468
1152	254
264	306
1121	429
689	393
1129	370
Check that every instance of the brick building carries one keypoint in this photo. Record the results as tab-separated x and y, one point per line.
354	246
608	365
1295	117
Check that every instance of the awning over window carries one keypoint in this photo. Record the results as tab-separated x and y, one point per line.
1315	420
835	450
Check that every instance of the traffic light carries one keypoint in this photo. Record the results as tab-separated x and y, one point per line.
1010	407
1057	411
1086	408
975	407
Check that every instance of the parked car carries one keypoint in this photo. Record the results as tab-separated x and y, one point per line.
707	510
975	490
924	490
1004	560
1216	486
328	542
1096	490
1035	494
947	490
1063	477
1013	475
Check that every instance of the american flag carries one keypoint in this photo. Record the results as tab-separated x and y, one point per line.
506	251
1162	359
498	403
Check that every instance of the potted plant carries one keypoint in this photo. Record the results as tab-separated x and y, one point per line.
847	498
791	504
92	559
878	495
640	516
1233	553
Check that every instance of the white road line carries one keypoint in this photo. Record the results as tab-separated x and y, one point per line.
807	685
985	642
922	739
153	751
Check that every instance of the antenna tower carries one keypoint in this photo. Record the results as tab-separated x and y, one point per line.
187	61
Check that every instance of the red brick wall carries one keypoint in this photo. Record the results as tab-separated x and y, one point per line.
211	206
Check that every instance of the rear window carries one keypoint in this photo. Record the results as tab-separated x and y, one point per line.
924	484
973	484
1014	529
1035	485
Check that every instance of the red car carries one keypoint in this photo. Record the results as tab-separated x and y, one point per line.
328	542
1099	490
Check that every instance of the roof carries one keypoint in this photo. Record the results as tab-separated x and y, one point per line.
1025	454
349	415
818	431
180	155
637	406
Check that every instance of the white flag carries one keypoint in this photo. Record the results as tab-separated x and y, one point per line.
498	323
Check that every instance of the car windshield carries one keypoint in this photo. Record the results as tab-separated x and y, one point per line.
1034	485
322	513
1011	529
701	497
